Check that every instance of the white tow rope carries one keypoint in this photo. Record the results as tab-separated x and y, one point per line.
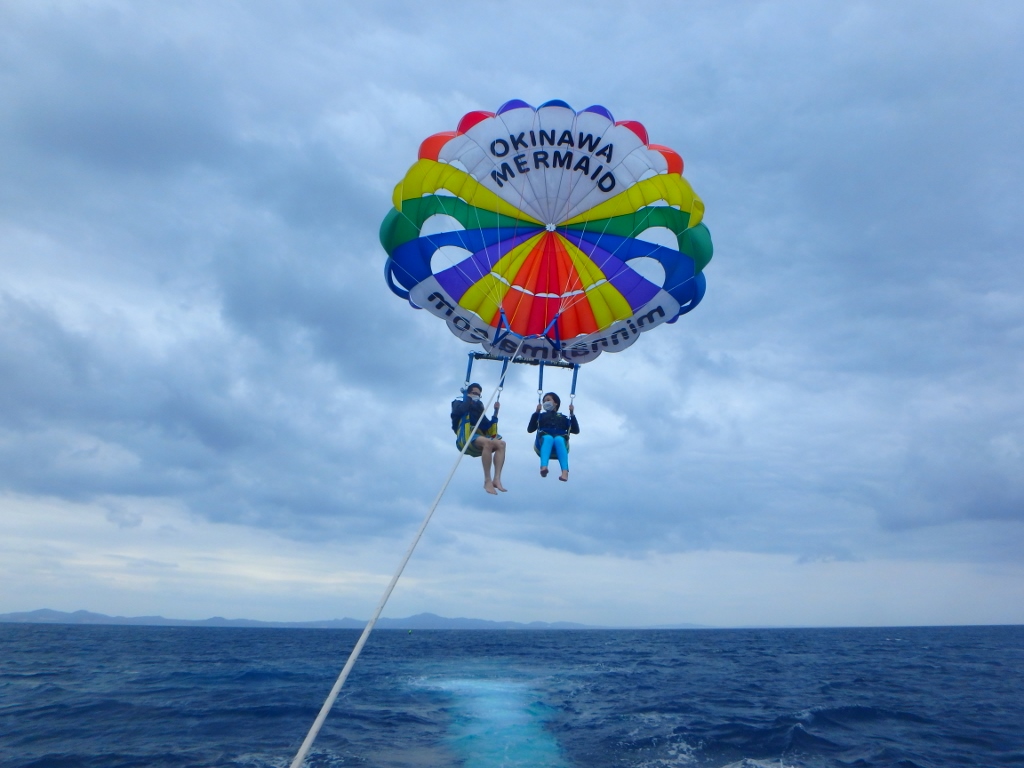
307	744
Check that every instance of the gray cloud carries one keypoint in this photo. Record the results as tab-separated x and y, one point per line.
193	306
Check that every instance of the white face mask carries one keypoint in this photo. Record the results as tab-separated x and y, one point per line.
475	398
548	405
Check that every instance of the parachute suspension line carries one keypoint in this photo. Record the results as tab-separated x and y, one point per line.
503	329
467	269
459	266
640	223
556	343
500	301
501	381
307	743
575	372
469	373
568	302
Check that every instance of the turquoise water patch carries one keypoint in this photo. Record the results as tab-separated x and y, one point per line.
499	723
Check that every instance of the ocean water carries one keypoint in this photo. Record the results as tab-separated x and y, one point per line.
112	697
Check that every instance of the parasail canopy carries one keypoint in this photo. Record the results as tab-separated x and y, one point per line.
566	232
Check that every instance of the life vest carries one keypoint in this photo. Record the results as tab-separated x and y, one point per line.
463	427
554	432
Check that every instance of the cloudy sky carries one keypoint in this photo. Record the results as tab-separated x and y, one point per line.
211	404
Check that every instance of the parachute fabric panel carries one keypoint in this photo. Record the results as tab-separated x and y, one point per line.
547	224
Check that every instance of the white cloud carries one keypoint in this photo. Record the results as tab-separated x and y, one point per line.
467	561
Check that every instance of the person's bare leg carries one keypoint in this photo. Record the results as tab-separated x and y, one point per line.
499	462
486	451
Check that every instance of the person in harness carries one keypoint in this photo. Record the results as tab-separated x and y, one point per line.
484	441
553	430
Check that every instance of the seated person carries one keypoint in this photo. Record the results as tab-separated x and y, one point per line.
553	429
484	440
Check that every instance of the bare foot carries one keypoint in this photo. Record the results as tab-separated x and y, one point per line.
543	471
489	487
564	477
500	487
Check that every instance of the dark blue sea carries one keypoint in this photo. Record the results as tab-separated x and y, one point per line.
112	697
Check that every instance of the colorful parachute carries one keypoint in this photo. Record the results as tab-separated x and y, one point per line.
564	229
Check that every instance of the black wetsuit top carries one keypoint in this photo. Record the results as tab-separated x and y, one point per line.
553	423
474	408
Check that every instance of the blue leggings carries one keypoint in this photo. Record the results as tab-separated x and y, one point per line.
560	451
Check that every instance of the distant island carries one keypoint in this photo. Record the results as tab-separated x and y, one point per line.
419	621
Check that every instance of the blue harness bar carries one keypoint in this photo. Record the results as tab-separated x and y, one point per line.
473	356
521	360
